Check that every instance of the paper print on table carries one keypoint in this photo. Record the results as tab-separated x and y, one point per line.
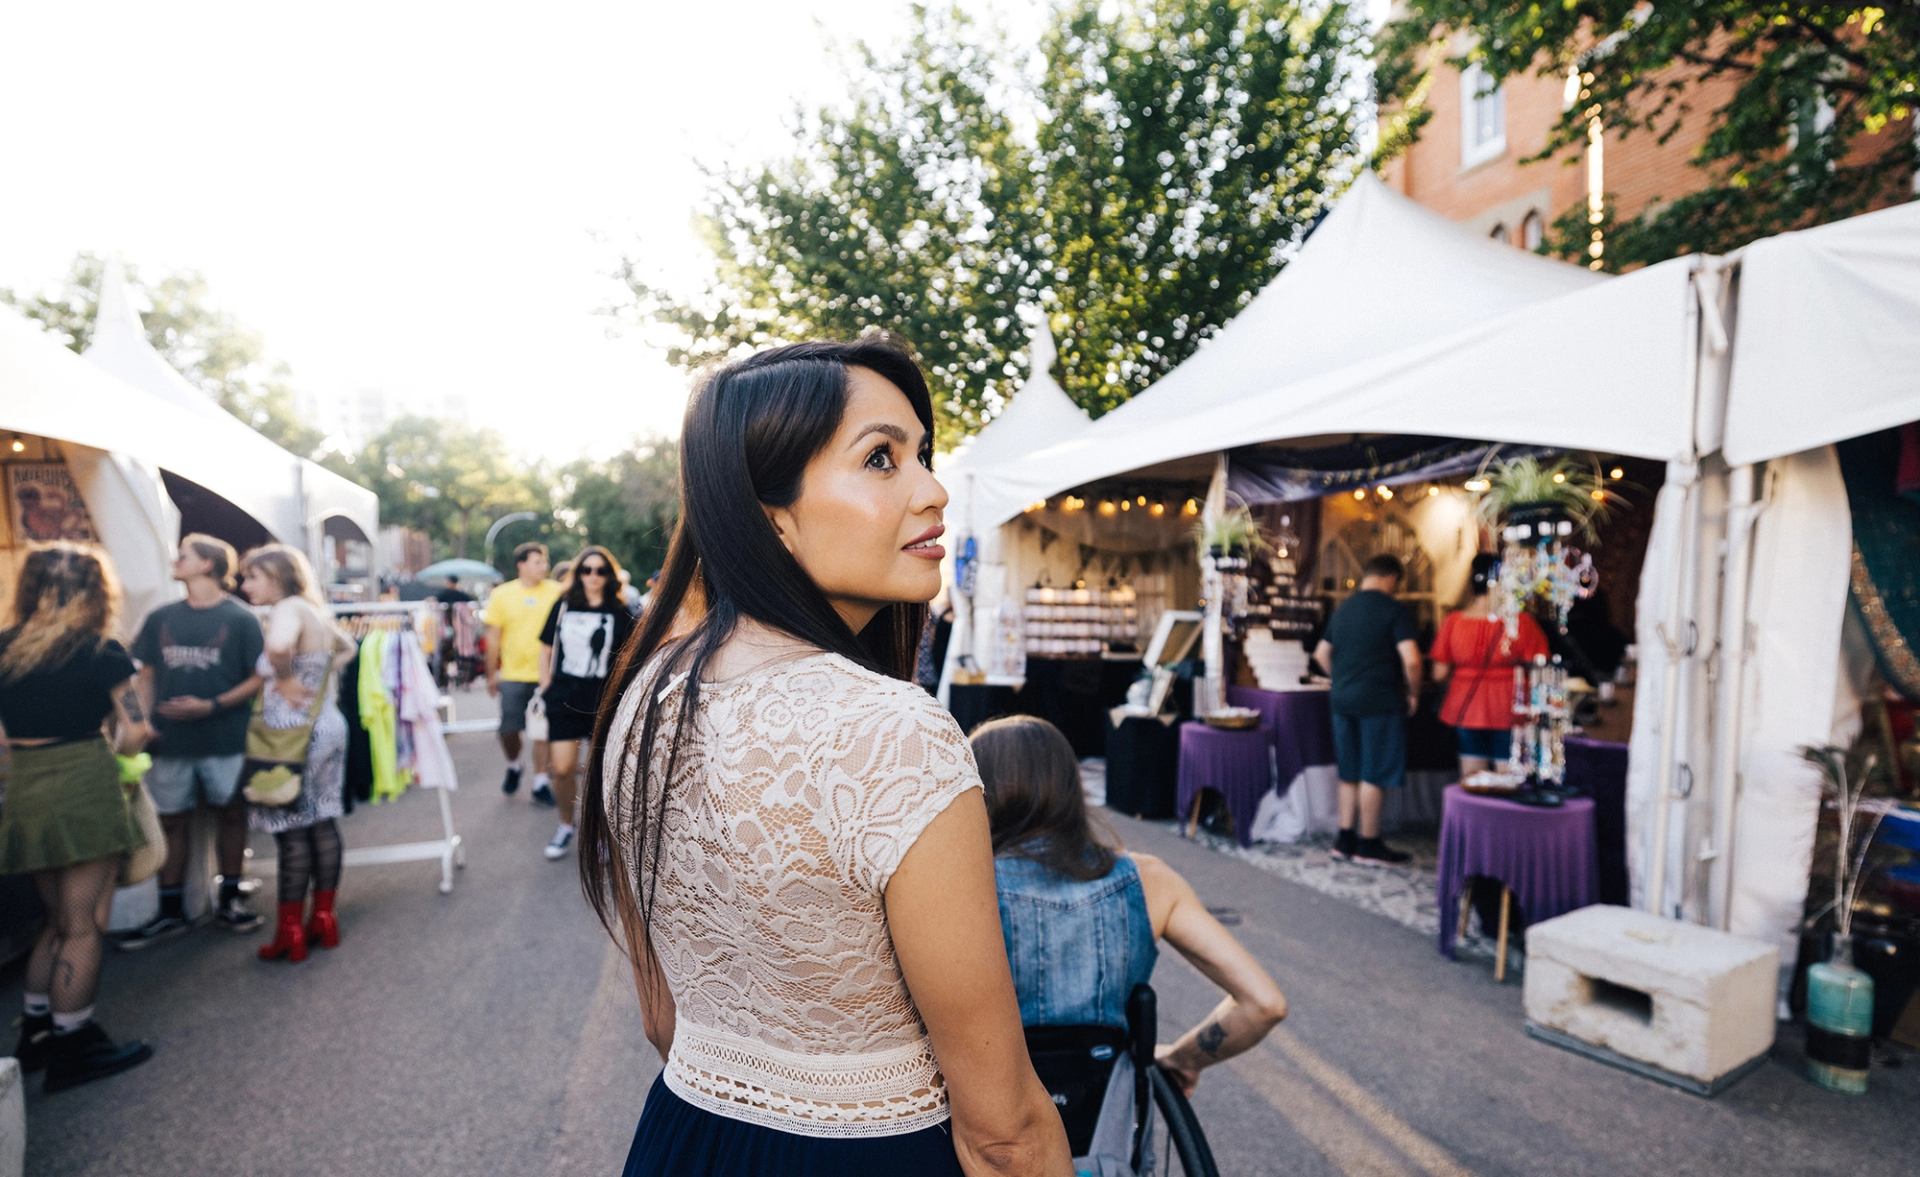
45	505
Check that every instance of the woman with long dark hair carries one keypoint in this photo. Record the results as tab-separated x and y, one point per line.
584	630
1082	919
304	648
786	833
66	820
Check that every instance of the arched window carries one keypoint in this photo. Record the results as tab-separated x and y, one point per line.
1533	231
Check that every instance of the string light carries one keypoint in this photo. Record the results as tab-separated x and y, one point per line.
1599	496
1616	473
1359	495
1126	504
18	447
1157	510
1432	491
1140	501
1107	507
1385	492
1559	476
1479	485
1192	507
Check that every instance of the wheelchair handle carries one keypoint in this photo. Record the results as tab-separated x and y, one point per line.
1143	1033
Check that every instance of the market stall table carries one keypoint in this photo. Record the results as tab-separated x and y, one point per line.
1598	768
1543	856
1235	764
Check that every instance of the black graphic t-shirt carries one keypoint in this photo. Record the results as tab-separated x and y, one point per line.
203	653
585	642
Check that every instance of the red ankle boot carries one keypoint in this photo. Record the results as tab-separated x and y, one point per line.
323	930
289	938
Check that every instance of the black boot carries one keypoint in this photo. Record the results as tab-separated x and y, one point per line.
83	1055
36	1040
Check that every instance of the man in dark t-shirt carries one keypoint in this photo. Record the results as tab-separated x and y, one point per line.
1371	649
197	676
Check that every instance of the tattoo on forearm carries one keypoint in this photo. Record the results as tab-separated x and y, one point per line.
1211	1039
130	703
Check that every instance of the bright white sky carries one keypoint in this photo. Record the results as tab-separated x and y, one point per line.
420	198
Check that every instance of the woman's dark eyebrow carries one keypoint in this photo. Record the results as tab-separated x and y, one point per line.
894	431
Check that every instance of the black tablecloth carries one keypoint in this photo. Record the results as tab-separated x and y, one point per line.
1143	758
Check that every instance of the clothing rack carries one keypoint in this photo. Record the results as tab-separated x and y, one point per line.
448	849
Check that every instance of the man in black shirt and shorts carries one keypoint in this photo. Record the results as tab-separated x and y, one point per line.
198	675
1371	649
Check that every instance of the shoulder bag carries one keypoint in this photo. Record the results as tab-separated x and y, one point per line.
276	756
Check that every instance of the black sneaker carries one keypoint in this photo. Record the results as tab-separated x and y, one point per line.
87	1054
543	795
160	927
36	1040
511	784
1342	848
235	916
1374	852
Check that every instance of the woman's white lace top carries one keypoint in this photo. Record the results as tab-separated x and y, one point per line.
795	797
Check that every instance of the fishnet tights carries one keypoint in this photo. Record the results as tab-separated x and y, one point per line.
307	854
65	963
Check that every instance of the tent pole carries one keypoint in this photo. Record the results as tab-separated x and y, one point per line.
1213	647
1743	511
1680	640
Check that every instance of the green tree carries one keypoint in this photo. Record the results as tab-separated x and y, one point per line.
203	343
628	504
1812	81
448	479
1140	183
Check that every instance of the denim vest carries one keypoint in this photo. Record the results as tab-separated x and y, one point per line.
1077	949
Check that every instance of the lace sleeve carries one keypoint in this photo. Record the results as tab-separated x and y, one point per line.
898	763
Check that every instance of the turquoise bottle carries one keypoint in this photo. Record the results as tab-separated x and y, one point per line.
1839	1022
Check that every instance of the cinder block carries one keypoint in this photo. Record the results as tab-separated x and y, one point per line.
13	1120
1692	1006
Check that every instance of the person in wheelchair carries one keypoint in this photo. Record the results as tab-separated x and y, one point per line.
1083	918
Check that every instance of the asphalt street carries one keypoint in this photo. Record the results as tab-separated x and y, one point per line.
493	1030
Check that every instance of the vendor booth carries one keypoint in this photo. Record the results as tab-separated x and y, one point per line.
1395	328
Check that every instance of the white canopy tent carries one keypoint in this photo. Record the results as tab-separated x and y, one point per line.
109	433
289	496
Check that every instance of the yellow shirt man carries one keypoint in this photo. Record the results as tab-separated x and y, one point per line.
519	611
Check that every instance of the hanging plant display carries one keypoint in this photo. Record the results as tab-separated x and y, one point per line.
1537	508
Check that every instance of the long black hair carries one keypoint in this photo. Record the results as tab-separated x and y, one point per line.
750	429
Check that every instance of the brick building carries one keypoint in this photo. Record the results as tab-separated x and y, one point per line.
1467	165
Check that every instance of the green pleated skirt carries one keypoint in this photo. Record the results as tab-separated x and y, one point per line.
63	805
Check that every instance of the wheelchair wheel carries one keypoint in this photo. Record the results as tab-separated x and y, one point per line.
1174	1144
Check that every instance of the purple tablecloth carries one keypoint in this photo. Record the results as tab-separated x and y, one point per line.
1234	764
1598	768
1302	723
1544	856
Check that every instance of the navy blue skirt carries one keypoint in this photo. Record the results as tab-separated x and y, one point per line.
675	1137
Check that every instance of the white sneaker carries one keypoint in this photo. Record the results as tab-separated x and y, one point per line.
557	849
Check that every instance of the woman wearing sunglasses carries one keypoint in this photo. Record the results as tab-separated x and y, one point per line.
578	645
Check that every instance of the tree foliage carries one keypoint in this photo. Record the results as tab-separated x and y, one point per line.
1811	82
202	342
1139	180
628	504
448	478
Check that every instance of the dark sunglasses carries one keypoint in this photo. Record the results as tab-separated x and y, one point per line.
596	570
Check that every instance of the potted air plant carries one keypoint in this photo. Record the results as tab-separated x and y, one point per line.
1233	535
1839	995
1528	490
